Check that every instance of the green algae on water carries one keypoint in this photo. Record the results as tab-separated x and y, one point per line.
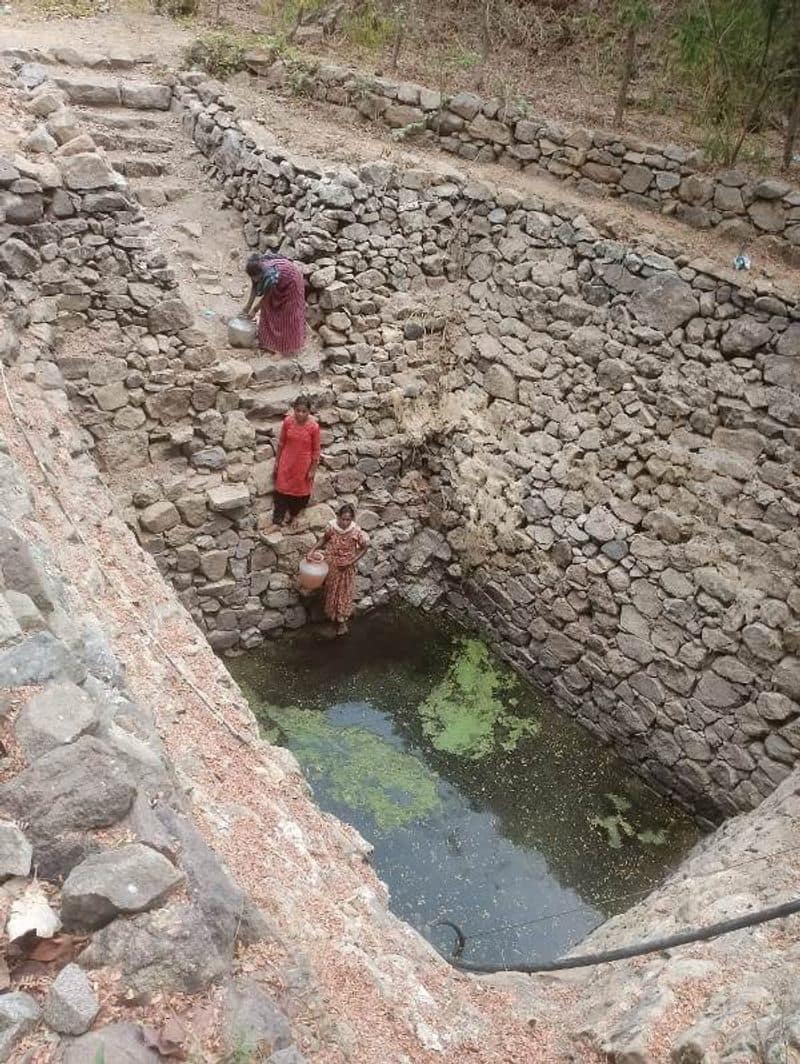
469	714
360	768
617	828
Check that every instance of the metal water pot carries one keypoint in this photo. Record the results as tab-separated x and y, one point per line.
241	332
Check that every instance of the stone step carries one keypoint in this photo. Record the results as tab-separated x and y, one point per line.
157	191
132	143
308	367
97	91
124	119
135	166
268	403
66	55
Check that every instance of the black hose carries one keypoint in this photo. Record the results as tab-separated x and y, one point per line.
461	939
654	945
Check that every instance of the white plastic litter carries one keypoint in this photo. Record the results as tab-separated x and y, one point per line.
32	912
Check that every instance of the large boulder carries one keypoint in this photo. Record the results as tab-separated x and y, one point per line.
171	948
228	913
72	788
664	302
127	879
38	659
60	714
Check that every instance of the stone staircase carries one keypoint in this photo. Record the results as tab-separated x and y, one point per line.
129	119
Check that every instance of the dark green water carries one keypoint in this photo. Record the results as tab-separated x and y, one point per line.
483	804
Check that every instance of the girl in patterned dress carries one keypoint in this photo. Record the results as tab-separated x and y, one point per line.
278	296
345	544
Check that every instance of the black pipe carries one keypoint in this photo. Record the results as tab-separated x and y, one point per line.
637	949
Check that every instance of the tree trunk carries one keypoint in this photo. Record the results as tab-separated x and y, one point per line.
627	74
399	34
793	127
487	44
792	130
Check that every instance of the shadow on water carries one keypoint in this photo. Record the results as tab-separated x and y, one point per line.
483	804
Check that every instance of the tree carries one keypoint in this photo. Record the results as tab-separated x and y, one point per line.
633	16
793	104
737	55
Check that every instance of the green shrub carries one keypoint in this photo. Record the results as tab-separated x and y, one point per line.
176	8
220	53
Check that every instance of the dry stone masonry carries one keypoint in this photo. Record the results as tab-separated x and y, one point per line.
665	178
619	429
587	448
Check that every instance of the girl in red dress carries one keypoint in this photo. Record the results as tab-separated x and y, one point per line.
345	544
296	463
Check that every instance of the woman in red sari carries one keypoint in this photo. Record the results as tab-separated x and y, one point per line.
278	286
345	544
296	462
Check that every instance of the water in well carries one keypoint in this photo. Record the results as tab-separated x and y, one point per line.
484	805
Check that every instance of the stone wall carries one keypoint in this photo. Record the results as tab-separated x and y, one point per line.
556	402
611	438
665	178
595	444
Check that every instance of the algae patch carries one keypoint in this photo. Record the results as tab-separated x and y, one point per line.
469	713
617	828
360	768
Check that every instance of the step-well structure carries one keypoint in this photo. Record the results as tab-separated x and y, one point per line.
588	449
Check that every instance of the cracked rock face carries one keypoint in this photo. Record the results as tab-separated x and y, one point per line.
128	879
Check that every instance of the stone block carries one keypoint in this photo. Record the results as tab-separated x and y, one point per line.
226	497
71	1003
99	92
87	171
111	396
159	516
15	851
146	97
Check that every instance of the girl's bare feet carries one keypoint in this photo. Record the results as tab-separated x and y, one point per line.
341	628
270	529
